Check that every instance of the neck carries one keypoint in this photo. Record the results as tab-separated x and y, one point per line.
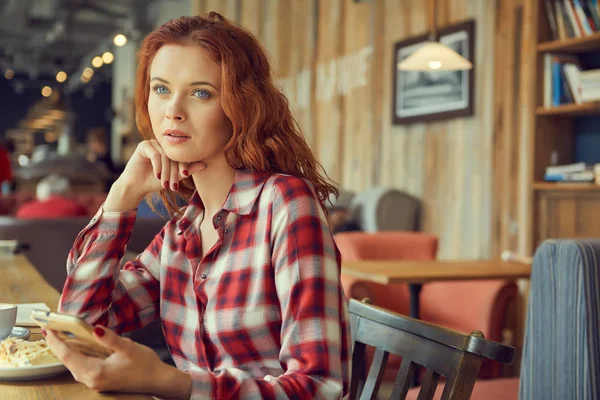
213	185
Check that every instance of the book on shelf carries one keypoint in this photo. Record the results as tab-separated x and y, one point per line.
577	172
566	81
572	18
566	168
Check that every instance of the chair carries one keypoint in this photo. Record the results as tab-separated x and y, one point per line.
386	209
561	351
461	305
443	352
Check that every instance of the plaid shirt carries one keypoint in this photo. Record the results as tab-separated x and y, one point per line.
261	315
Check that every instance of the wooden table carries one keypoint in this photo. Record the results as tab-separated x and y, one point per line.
415	273
21	283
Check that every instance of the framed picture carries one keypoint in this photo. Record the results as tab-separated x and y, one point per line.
430	95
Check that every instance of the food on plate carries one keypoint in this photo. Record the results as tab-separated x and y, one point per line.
16	353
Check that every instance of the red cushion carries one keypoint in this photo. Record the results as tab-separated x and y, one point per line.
491	389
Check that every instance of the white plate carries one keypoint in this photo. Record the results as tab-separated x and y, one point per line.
35	372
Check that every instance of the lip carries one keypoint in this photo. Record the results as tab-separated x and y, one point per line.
175	133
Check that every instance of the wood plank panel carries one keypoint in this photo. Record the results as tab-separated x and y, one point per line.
328	112
302	41
354	78
448	164
251	16
505	152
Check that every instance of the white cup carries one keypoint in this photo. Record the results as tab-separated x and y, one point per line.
8	318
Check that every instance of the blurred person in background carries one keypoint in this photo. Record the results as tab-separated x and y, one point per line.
6	176
99	155
98	150
52	201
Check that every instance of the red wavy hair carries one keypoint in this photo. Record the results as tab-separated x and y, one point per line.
266	138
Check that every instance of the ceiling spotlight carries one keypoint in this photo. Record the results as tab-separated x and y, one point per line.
47	91
97	62
61	76
87	73
9	74
108	57
120	40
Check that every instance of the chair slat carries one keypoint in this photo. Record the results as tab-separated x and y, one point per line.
429	385
358	370
404	379
375	375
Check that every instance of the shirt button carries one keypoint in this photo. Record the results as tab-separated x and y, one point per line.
203	276
219	218
226	231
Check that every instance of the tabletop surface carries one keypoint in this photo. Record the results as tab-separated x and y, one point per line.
21	283
386	272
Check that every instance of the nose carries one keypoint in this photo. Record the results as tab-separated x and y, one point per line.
175	111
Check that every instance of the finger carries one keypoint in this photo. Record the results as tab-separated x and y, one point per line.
196	167
73	359
147	150
175	177
110	339
165	171
184	169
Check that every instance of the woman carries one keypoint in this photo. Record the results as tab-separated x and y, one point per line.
249	297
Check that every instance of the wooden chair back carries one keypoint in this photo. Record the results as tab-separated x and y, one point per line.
442	352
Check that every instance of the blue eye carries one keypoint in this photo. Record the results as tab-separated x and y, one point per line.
160	89
202	94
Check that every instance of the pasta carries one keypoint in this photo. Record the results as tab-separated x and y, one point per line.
22	353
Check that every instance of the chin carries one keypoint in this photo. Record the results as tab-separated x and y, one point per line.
181	155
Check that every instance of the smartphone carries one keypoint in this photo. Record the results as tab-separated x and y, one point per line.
74	331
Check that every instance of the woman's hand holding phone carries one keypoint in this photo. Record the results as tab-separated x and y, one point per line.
130	368
148	170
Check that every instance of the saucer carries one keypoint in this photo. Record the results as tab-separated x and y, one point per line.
20	333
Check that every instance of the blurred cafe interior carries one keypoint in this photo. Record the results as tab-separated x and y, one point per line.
464	136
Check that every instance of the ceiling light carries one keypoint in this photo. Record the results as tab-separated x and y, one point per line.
46	91
108	57
433	55
61	76
120	40
87	73
9	74
97	62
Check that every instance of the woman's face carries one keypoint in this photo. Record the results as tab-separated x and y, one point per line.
185	104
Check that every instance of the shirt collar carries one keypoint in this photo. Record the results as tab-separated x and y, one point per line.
241	198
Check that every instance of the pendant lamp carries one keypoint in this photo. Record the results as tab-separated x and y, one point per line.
433	55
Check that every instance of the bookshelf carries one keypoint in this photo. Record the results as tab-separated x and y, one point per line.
558	210
572	45
570	110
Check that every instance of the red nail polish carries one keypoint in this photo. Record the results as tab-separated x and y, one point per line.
175	186
185	172
43	332
158	176
99	331
166	184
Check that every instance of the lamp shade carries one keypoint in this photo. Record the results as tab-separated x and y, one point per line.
434	56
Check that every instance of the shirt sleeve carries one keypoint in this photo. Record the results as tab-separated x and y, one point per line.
315	332
102	292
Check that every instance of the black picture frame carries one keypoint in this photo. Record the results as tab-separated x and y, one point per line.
421	96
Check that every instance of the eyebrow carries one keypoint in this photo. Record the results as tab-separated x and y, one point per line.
156	78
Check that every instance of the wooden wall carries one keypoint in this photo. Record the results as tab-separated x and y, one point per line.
334	58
